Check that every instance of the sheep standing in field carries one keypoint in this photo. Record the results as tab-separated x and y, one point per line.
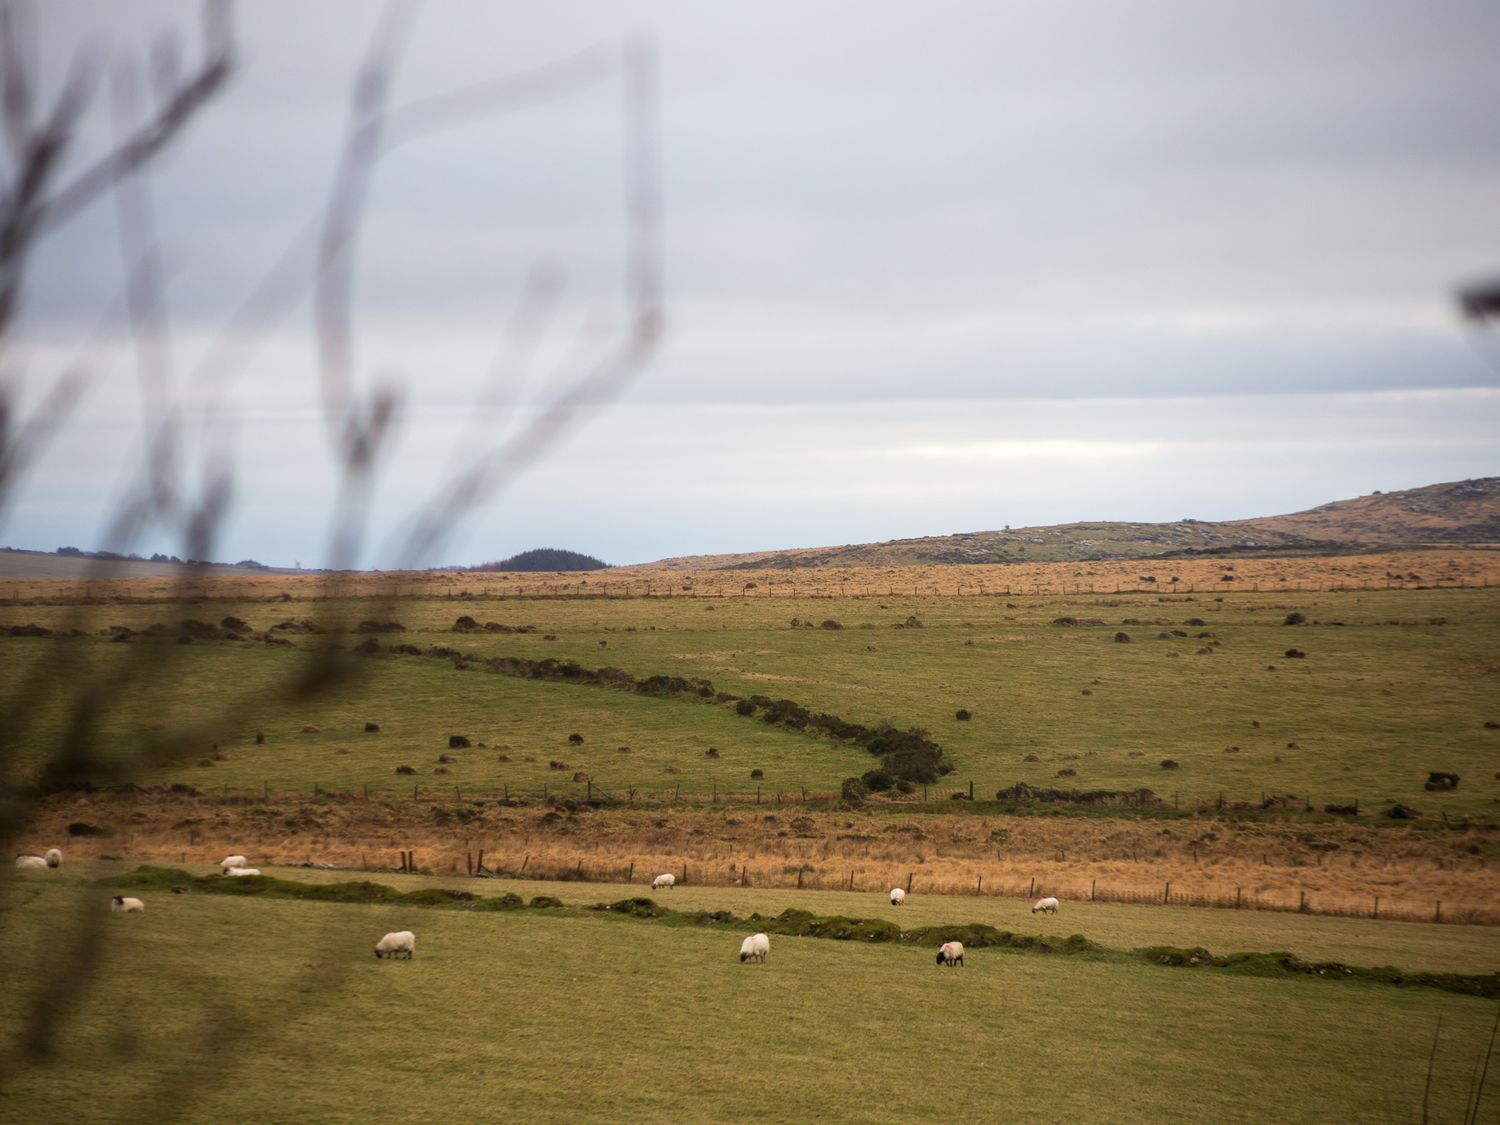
951	953
127	905
31	863
240	871
402	943
898	896
1046	905
53	857
754	948
663	882
232	861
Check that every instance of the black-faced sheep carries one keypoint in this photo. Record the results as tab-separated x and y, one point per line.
951	953
754	948
127	905
402	943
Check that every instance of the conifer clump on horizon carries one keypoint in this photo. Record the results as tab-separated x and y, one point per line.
545	558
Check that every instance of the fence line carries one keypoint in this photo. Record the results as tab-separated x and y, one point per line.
843	877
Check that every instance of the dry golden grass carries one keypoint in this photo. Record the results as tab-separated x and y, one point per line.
1199	575
1338	867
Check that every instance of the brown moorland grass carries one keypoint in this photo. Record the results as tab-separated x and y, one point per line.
1196	576
1327	867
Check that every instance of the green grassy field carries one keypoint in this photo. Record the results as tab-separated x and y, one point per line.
1394	684
1414	946
260	1009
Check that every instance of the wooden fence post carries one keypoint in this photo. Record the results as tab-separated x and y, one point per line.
979	885
1376	912
1166	893
1092	884
1236	898
630	875
1302	903
1437	914
479	864
1031	891
799	878
908	882
469	859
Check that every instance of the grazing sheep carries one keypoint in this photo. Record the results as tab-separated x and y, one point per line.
1049	905
238	871
951	953
31	863
663	882
898	896
233	861
54	857
402	943
754	948
127	905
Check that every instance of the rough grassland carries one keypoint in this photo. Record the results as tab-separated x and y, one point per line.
1394	684
246	1010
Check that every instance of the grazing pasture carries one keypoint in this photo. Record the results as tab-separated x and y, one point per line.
556	1016
1392	686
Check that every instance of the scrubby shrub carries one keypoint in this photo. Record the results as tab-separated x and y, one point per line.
1439	781
1294	654
1067	772
372	728
457	742
1122	638
576	739
877	781
853	789
83	828
446	759
1294	618
1032	758
1402	812
711	752
744	707
580	776
757	775
554	764
963	714
1168	764
406	771
1196	622
546	902
830	623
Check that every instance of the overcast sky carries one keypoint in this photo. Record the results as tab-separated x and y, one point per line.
926	268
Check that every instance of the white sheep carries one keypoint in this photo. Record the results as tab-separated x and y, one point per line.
754	948
898	896
1048	905
402	943
31	863
239	871
233	861
127	905
53	857
663	882
951	953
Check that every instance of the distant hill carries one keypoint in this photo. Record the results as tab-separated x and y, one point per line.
1461	513
545	558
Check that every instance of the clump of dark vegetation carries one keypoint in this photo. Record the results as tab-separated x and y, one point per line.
1020	793
1294	618
406	771
1439	781
963	714
830	623
380	627
83	828
1342	810
1169	764
1122	638
1294	654
576	739
1399	811
757	775
544	558
372	728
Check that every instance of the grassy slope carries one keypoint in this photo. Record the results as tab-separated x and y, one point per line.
1379	701
569	1018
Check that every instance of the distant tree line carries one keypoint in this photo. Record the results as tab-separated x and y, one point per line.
545	558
